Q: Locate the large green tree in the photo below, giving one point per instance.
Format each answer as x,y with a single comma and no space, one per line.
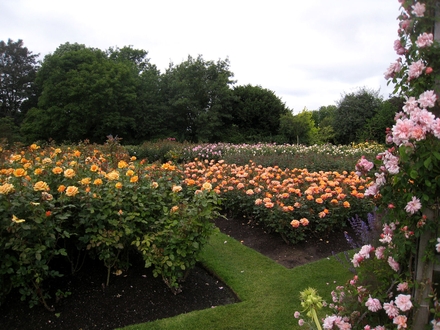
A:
197,94
18,67
375,127
256,113
84,95
353,112
298,128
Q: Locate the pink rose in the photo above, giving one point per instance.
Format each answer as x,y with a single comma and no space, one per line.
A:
418,9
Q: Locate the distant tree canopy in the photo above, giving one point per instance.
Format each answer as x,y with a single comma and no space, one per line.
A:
256,113
18,67
352,113
83,93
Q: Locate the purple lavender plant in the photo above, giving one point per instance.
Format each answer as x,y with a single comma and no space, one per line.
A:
366,232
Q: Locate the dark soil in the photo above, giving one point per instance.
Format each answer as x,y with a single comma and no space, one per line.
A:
137,297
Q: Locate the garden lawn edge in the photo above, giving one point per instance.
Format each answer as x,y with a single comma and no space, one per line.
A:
269,292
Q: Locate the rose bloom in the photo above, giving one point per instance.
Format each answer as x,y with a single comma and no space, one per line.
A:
393,264
71,191
295,223
418,9
19,172
379,252
207,186
403,302
400,320
319,200
17,220
41,186
402,286
269,205
46,196
176,189
425,40
97,182
118,185
129,173
38,171
373,304
57,170
258,201
154,185
86,181
304,221
69,173
413,205
249,192
174,209
134,179
122,164
61,188
391,309
346,204
6,188
94,168
112,176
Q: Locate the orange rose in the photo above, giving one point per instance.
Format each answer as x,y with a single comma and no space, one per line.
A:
19,172
134,179
295,223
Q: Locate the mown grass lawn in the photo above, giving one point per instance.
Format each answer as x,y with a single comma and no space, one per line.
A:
269,292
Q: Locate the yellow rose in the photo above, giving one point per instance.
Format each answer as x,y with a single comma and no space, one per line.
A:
86,181
38,171
118,185
122,164
17,220
94,168
69,173
129,173
207,186
134,179
71,191
112,176
6,188
41,186
97,182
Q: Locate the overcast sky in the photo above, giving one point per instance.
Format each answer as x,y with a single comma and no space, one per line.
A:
308,52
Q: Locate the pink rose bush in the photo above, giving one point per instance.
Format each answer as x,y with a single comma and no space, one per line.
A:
405,190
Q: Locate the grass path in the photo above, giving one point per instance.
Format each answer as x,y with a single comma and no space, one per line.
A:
269,292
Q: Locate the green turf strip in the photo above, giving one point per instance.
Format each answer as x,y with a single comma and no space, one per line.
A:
269,292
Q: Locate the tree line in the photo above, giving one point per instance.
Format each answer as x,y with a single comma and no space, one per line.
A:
82,93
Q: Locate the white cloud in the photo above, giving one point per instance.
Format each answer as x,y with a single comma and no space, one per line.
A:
309,53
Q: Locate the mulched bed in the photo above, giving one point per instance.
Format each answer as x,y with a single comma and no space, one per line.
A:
137,296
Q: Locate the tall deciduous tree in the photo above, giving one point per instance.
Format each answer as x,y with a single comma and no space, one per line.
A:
198,94
256,112
353,112
84,95
18,68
